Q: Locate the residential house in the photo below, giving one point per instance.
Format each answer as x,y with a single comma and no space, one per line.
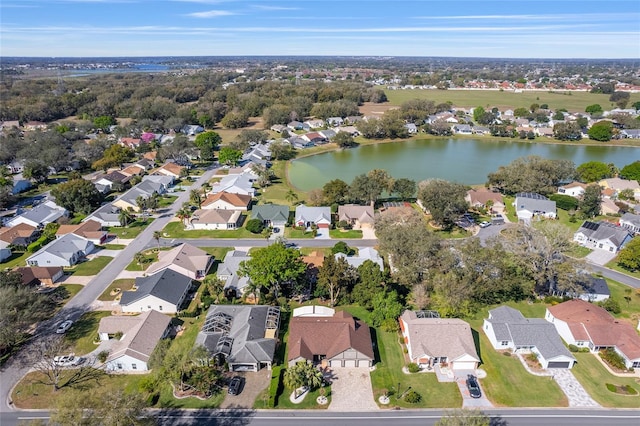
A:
40,215
35,125
133,170
244,337
140,335
573,189
543,131
165,292
107,216
602,236
438,341
184,259
145,163
356,216
278,128
314,137
306,216
631,222
594,289
333,339
20,235
20,185
619,185
65,251
335,121
38,275
300,143
216,219
327,134
608,207
353,119
169,169
348,129
486,199
105,182
236,184
315,124
462,129
530,204
234,285
295,125
411,128
480,130
364,254
586,325
5,251
630,133
9,124
131,143
259,154
226,201
163,182
507,328
192,129
90,229
129,200
273,215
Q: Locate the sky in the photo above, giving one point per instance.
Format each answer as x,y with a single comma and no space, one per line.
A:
495,29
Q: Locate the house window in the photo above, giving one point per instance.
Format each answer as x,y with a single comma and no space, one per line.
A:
636,364
119,366
134,367
504,343
600,245
148,306
160,307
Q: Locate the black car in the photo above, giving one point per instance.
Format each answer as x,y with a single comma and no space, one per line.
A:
235,385
473,386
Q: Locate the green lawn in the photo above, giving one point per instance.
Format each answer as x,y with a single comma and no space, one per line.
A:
631,307
114,246
572,101
67,291
297,233
84,331
579,252
388,374
166,200
176,230
150,256
132,230
91,267
510,209
124,284
594,377
276,193
614,265
340,234
16,259
309,402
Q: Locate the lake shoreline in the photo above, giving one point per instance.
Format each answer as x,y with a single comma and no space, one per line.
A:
478,141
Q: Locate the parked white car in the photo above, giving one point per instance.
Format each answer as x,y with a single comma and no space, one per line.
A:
68,360
64,326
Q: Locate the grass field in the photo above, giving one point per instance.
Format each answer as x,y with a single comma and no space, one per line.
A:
631,306
150,256
339,234
176,230
572,101
124,284
594,376
84,331
91,267
614,265
16,259
131,231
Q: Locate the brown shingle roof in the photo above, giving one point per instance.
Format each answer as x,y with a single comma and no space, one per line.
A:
236,200
21,230
328,336
172,168
590,322
482,195
38,273
90,229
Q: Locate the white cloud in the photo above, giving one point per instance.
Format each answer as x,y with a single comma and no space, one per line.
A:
211,14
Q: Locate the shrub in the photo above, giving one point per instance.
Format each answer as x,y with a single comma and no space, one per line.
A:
342,247
255,226
118,335
102,356
573,348
413,368
564,202
584,350
612,358
412,397
611,305
611,387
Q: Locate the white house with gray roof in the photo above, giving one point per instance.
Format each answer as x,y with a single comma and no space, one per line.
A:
507,328
107,215
164,292
307,216
140,335
602,236
530,204
271,214
65,251
631,222
40,215
364,254
243,336
234,285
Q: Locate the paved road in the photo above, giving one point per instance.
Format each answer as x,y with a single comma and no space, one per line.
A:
616,276
13,371
259,242
500,417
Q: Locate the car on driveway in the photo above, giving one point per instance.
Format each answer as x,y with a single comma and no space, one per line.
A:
473,386
68,360
64,326
485,224
235,385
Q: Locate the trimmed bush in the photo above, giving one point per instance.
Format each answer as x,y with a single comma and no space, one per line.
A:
611,305
413,397
102,356
573,348
255,226
612,358
413,367
564,202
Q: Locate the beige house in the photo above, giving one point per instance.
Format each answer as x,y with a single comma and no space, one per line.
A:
184,259
607,206
169,169
357,216
216,219
91,230
437,341
485,198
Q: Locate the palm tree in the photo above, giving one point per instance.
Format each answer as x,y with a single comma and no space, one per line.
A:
184,213
125,217
139,258
141,203
156,236
291,196
195,198
293,379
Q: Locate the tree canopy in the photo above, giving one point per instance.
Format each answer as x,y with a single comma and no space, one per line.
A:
77,196
532,174
444,200
631,171
593,171
207,143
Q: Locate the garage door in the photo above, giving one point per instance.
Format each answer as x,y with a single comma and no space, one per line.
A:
350,363
564,364
464,365
335,363
363,363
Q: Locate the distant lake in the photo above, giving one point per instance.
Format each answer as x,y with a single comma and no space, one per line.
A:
467,161
134,68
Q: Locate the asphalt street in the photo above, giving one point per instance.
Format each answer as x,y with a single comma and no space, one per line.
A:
500,417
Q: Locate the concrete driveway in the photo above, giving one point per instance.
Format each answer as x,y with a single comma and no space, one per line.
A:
467,400
253,385
600,257
351,390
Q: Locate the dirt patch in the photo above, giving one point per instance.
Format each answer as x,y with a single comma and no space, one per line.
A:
369,108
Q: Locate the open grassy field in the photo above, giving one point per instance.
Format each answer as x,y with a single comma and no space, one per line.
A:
594,376
631,306
572,101
130,231
351,233
91,267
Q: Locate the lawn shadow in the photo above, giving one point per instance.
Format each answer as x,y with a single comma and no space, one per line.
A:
374,342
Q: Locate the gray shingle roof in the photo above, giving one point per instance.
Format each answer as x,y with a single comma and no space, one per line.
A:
167,285
534,203
271,212
599,231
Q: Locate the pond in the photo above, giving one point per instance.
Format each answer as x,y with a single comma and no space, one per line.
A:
467,161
